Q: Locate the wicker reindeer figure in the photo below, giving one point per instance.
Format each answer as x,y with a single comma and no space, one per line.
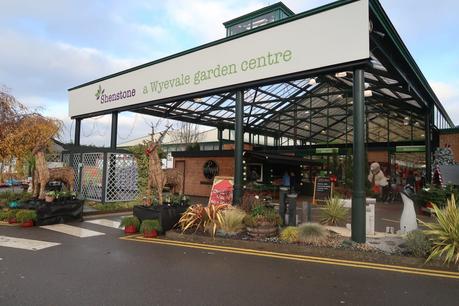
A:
157,177
42,174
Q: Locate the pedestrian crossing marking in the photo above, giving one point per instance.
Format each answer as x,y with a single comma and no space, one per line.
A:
106,222
25,244
72,230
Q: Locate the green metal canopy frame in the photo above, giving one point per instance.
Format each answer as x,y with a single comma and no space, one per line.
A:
384,99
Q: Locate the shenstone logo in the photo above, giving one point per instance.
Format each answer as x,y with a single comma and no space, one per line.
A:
100,95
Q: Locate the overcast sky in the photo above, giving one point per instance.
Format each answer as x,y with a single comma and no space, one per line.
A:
50,46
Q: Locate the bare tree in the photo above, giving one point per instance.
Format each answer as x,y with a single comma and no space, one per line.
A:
186,133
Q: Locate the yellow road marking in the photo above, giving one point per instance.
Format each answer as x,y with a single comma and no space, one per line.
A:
305,258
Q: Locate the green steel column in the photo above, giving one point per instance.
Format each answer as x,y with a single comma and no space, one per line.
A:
220,139
114,130
358,188
77,131
238,147
428,140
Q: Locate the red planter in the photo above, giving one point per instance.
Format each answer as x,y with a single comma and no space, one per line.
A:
12,221
151,234
28,223
130,229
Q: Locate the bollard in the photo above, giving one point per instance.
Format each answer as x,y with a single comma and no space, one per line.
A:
282,205
292,209
309,210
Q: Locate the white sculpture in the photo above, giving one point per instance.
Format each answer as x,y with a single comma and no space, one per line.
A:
408,221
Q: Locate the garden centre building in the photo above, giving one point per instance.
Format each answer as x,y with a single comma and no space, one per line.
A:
306,90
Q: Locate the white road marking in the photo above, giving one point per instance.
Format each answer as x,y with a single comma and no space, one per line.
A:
106,222
26,244
72,230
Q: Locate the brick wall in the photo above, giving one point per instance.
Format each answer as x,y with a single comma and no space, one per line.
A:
195,181
451,139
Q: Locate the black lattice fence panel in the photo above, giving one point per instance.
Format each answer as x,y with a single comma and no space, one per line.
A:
122,177
91,176
53,157
75,164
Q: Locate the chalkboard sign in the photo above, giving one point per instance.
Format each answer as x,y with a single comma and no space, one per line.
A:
323,189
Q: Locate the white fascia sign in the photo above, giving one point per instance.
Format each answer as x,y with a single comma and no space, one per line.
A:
336,36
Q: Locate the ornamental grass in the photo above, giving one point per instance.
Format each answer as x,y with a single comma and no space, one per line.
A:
444,233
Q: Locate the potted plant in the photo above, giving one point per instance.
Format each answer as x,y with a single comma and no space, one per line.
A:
4,215
130,224
26,217
146,201
12,216
262,222
150,228
50,196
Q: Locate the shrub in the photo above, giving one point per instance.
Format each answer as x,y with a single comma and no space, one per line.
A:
131,220
193,217
213,217
208,218
334,212
24,215
261,214
9,196
150,225
289,234
311,233
12,213
232,221
436,195
418,243
444,234
4,215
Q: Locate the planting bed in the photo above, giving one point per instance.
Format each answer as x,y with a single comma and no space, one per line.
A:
335,246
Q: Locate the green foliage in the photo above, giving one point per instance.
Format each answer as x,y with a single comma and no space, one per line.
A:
142,163
4,215
260,214
65,194
232,221
150,225
131,220
52,193
24,215
444,233
418,243
311,233
113,206
12,213
334,212
9,196
436,195
289,234
177,199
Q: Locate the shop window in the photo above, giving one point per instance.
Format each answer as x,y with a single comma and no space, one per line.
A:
255,172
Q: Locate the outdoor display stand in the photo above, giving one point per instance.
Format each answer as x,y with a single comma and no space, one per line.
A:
57,212
167,215
323,189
